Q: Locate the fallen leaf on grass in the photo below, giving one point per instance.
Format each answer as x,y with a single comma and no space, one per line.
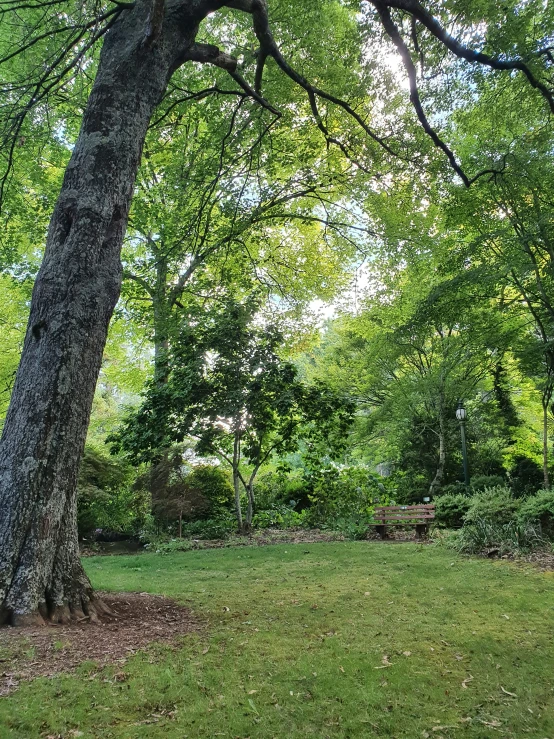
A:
466,681
407,654
508,692
205,651
251,692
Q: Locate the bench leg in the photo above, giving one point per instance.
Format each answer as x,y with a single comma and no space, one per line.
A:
422,530
382,531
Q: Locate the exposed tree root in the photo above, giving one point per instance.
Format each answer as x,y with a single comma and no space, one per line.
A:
92,610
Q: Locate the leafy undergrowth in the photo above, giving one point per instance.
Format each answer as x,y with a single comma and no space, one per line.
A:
342,639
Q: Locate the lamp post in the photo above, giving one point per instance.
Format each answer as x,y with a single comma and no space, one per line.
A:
461,415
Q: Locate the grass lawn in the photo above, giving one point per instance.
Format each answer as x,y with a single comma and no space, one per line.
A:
325,640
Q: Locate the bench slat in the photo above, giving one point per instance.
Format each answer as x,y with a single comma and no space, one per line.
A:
405,514
404,518
418,515
396,522
404,507
400,514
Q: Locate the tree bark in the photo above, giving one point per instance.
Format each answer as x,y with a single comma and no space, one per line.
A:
238,509
236,479
439,474
74,296
249,510
162,312
545,403
251,499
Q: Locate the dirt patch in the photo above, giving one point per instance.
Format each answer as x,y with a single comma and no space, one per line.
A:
309,536
543,561
139,619
263,537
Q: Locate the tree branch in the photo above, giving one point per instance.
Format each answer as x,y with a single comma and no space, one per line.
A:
253,93
269,48
394,34
261,60
425,18
200,95
140,281
210,54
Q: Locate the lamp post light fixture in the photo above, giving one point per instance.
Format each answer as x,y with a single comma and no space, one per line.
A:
461,415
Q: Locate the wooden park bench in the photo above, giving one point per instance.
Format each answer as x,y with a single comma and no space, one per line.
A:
404,515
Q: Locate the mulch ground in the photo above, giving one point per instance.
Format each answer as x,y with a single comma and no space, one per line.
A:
139,619
259,538
543,561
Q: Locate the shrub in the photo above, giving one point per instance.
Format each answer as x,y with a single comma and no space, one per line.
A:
509,538
526,476
410,486
539,511
181,492
480,482
282,517
219,527
278,488
213,483
495,505
340,494
450,510
105,496
454,488
354,527
168,547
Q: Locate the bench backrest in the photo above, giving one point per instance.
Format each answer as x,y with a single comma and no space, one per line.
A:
404,513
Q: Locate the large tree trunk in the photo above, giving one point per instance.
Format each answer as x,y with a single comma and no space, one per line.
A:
75,293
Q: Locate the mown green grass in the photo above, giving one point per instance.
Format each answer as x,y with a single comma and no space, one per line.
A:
296,638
